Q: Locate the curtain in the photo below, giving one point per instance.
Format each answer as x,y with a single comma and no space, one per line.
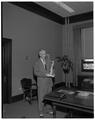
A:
77,47
77,54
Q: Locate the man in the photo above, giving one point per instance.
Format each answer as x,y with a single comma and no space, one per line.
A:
44,79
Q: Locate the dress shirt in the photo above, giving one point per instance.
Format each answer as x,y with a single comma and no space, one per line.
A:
43,61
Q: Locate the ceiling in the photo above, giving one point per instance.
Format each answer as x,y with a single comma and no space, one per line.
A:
78,7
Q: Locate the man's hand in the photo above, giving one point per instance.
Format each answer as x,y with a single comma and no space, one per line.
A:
50,75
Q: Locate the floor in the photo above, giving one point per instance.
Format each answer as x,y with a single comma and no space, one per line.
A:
23,109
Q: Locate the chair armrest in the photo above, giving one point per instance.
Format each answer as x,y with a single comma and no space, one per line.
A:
27,89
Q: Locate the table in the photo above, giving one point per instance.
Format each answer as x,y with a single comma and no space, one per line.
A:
71,100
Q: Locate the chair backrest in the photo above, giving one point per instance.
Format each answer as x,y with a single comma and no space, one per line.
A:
26,83
34,77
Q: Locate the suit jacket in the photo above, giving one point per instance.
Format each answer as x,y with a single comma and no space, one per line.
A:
40,72
39,69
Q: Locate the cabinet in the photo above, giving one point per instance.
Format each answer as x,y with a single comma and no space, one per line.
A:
85,82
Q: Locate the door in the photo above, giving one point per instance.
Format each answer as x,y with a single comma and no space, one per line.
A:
6,69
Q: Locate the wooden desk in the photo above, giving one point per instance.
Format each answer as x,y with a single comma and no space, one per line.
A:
72,102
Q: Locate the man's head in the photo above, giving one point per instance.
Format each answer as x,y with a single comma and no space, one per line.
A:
42,54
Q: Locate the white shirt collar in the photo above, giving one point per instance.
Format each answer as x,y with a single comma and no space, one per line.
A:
43,61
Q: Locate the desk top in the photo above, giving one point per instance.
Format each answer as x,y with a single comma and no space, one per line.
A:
72,97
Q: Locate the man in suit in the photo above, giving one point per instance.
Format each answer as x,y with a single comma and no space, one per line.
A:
44,80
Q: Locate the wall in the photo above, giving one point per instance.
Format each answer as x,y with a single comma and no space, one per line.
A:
68,47
29,32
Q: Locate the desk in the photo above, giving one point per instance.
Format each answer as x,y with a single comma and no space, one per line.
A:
72,102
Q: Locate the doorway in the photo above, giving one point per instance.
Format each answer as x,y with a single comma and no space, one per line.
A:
6,70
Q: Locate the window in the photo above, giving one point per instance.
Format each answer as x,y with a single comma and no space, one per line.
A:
87,43
87,49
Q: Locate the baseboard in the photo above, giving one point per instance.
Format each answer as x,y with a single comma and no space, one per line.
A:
16,98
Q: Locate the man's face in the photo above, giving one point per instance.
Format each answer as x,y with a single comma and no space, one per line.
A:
43,54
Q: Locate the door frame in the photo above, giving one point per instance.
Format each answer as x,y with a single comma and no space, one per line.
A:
9,83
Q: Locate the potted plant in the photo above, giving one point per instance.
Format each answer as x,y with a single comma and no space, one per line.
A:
66,64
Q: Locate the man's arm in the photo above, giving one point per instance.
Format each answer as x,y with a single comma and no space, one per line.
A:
39,72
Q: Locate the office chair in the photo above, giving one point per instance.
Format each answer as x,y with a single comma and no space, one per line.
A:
29,89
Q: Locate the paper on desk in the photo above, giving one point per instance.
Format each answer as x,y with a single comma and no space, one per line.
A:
61,90
83,93
71,92
80,91
66,91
